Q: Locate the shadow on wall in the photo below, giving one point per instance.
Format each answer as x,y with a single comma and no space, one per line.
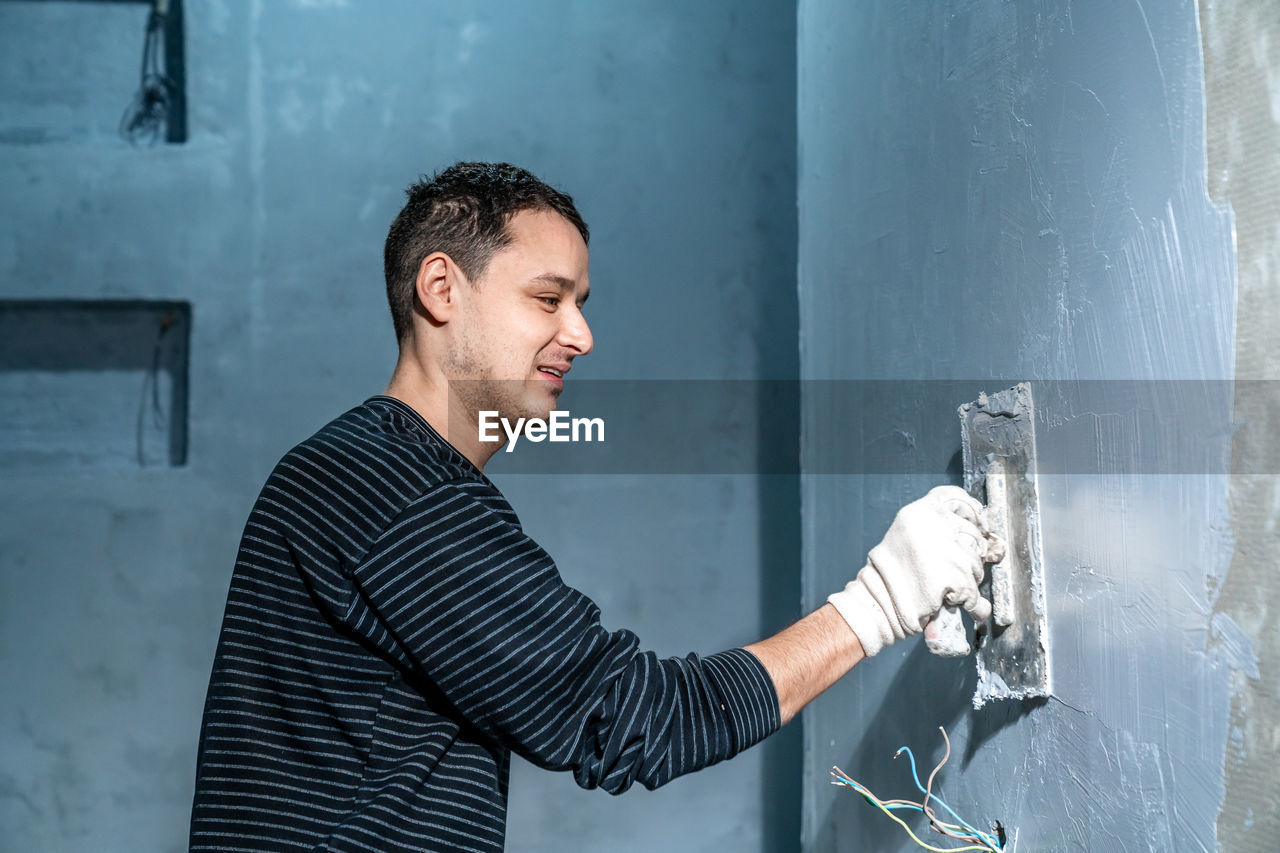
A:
778,538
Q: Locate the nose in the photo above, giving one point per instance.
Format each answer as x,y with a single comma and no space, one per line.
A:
575,334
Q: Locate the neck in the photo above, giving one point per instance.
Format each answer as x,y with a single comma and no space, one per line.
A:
426,391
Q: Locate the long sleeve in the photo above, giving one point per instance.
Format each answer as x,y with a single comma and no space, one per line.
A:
454,592
391,636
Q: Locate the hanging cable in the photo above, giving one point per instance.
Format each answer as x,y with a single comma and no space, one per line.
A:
147,115
150,402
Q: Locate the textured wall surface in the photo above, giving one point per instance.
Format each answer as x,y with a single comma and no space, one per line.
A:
991,192
671,125
1242,89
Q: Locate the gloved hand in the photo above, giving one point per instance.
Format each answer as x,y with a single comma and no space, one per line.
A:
932,555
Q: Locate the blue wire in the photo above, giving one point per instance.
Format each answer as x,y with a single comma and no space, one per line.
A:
916,777
992,841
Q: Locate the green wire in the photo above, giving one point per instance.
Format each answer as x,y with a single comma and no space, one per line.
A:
842,779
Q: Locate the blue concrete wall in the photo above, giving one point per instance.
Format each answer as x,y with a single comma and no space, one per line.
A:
992,192
671,123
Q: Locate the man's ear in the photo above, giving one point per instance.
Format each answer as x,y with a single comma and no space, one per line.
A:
436,286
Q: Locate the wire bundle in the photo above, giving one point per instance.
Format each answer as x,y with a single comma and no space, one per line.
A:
146,116
962,830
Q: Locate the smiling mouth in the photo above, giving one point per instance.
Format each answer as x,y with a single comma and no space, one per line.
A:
553,380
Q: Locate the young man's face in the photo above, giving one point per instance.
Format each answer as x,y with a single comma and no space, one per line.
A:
521,324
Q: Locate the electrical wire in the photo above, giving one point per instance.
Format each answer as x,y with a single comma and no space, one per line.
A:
842,779
928,788
961,831
928,785
151,389
148,113
928,796
953,830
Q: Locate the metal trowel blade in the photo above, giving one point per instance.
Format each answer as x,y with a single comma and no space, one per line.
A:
999,447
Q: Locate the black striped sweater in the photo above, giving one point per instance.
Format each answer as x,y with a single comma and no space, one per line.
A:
391,636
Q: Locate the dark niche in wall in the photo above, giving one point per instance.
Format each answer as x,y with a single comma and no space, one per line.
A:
76,71
93,383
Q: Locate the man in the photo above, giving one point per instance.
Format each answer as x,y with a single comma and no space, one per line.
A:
391,634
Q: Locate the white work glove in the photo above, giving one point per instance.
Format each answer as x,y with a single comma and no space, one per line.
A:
932,556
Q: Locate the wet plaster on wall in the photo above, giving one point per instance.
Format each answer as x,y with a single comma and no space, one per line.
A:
991,192
1242,88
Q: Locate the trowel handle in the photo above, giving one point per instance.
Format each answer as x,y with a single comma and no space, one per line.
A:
945,635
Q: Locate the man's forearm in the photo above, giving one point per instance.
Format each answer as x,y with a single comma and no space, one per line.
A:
808,657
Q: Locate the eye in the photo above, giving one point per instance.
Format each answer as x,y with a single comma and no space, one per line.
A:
553,301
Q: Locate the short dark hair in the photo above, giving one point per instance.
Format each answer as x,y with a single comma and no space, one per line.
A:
463,211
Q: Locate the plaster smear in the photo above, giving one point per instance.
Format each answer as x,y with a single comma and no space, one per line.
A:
1241,42
1029,202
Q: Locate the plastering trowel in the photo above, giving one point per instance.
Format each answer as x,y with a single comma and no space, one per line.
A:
999,448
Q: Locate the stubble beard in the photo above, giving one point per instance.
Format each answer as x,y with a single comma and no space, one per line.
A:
480,391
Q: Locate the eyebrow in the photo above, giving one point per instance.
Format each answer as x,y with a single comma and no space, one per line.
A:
560,282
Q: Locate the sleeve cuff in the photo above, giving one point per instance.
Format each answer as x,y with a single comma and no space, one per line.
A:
748,697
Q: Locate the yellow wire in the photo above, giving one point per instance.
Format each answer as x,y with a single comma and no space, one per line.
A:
956,826
900,822
872,797
857,786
